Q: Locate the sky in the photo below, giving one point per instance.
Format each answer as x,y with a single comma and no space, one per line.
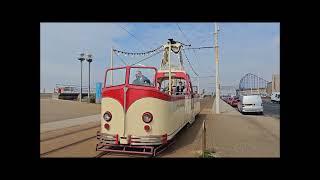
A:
243,48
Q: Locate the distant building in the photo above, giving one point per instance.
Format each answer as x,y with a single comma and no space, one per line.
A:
228,91
276,83
269,88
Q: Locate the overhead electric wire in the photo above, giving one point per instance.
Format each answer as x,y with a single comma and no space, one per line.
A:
211,35
190,63
123,61
205,47
132,35
196,57
146,58
204,41
183,33
141,42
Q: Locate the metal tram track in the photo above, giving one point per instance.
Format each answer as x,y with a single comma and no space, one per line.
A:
68,145
71,144
69,133
101,154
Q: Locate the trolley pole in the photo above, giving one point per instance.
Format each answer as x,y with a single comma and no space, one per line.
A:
89,85
170,84
111,65
217,69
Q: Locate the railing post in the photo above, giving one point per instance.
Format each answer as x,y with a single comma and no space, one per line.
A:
203,137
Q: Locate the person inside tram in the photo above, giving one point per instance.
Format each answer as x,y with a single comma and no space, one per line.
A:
141,79
166,87
179,89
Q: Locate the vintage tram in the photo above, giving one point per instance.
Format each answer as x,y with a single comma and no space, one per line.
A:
144,108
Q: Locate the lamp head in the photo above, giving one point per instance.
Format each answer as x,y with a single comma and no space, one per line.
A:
81,58
89,58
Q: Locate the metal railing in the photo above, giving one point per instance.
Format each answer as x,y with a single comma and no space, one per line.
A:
68,88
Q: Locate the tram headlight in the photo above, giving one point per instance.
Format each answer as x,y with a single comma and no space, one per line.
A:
147,117
107,116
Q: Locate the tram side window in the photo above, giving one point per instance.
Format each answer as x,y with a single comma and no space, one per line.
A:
180,88
164,86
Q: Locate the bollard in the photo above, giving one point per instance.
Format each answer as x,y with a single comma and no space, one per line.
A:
203,138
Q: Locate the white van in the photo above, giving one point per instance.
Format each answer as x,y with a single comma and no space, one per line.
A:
275,97
250,103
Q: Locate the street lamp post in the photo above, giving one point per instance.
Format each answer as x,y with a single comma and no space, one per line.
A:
81,58
89,59
217,69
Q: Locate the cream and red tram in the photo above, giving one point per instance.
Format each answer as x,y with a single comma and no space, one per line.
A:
144,118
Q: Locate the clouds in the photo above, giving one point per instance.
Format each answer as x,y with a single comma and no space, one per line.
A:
244,47
61,44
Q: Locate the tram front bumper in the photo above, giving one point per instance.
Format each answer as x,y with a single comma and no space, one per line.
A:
135,145
131,140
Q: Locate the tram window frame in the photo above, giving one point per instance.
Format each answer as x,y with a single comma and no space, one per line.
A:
184,84
153,80
163,83
108,80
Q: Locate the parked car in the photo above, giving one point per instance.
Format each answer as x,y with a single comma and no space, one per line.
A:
263,95
250,103
224,98
229,100
235,101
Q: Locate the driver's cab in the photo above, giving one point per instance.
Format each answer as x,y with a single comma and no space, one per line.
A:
138,76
